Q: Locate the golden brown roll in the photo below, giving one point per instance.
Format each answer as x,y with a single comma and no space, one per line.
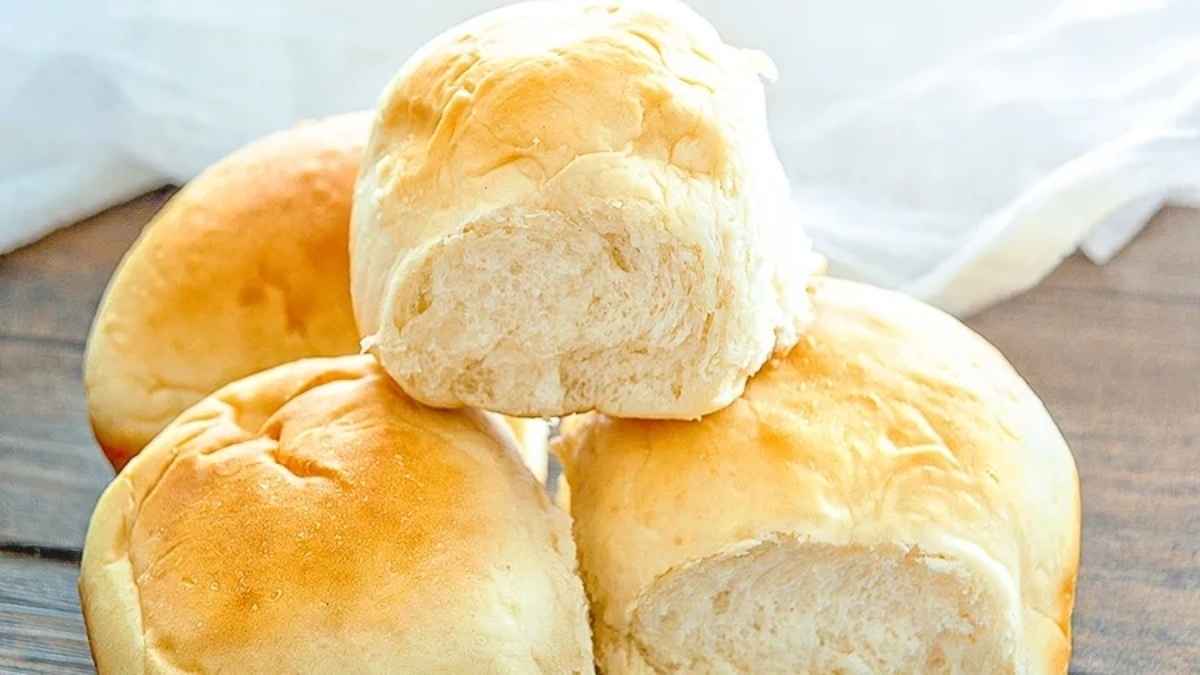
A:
312,518
889,498
246,268
576,205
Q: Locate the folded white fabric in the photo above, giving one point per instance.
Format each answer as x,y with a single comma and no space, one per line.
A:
955,150
969,180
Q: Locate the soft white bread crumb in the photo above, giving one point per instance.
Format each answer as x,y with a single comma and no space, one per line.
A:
890,497
576,205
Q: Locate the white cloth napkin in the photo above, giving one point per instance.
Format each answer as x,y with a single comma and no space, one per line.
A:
955,150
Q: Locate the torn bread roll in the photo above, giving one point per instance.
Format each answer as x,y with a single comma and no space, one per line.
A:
891,497
568,206
247,267
312,518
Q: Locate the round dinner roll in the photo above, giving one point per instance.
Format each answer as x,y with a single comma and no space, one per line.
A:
314,519
890,497
568,206
245,268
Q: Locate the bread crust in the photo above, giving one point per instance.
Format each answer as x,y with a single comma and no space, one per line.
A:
890,425
312,518
242,270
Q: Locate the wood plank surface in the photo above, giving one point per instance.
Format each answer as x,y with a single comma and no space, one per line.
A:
1114,351
51,471
50,468
41,629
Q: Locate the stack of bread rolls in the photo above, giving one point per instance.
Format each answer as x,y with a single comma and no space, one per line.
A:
322,373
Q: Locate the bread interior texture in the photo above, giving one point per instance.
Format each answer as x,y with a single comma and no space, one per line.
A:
787,606
561,316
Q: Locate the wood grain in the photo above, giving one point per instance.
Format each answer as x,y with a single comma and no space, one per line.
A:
1114,351
51,471
41,629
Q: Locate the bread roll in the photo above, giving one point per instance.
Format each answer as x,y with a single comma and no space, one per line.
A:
889,498
576,205
246,268
314,519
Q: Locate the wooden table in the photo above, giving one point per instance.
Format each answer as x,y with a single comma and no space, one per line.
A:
1114,351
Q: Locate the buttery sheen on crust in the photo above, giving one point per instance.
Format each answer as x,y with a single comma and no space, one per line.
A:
314,519
576,205
889,498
